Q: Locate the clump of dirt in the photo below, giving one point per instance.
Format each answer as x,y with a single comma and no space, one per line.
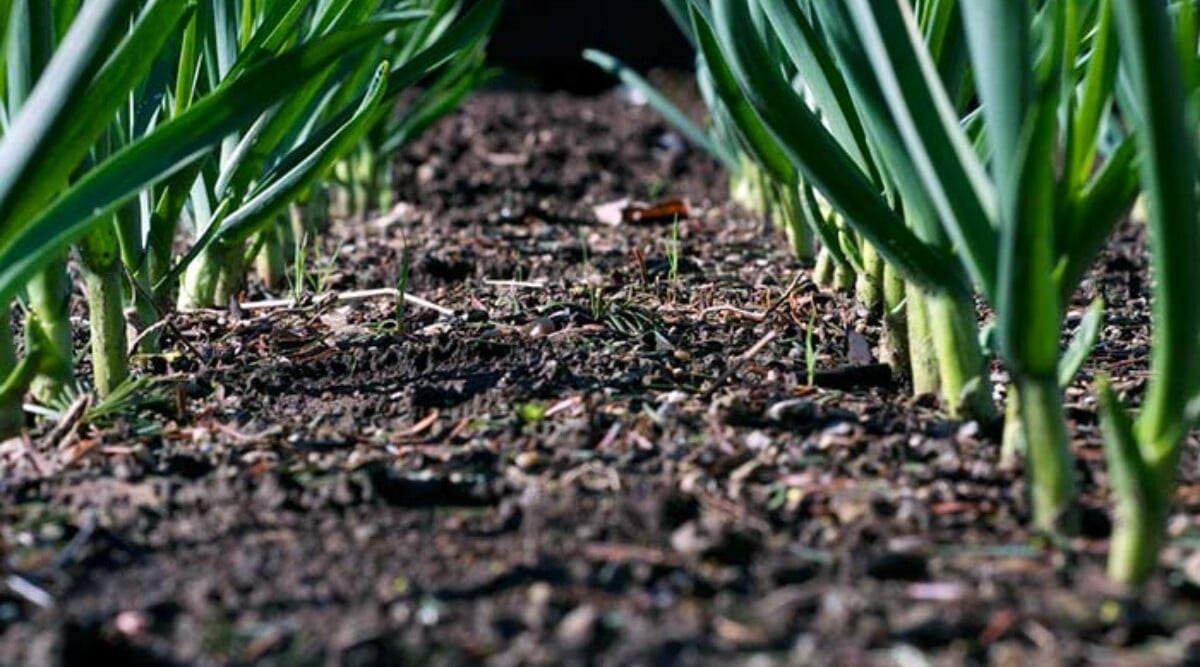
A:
591,444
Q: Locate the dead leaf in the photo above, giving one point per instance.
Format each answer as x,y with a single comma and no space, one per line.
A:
611,213
625,210
665,211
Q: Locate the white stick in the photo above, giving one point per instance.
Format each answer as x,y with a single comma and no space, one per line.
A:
357,295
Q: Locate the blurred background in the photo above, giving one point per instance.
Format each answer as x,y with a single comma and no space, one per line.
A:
538,42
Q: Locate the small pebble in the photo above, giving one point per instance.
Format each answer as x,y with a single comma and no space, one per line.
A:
527,460
540,328
131,623
577,628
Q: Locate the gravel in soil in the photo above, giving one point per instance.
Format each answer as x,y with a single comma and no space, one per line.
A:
638,444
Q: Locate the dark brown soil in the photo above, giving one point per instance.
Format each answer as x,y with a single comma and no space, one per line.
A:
580,466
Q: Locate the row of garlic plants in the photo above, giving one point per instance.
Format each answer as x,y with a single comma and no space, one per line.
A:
165,144
946,151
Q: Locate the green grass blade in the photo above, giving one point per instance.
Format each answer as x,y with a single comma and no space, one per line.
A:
1028,310
1187,36
1169,179
49,109
943,31
754,135
466,33
821,224
678,9
820,74
818,155
280,26
1000,48
6,8
887,141
307,163
124,69
1082,343
187,71
1094,100
1092,214
953,176
1126,469
171,147
672,113
29,49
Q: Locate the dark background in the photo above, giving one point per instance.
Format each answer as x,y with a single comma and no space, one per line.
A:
539,41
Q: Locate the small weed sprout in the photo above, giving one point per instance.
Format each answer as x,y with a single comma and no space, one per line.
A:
810,354
596,303
315,275
513,293
300,265
530,413
323,267
674,248
402,288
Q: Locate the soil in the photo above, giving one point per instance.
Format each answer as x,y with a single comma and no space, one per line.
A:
608,453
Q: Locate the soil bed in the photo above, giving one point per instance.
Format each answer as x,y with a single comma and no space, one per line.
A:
610,453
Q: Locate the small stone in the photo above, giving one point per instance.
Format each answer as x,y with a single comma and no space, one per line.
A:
577,629
792,411
527,460
689,540
540,328
132,623
426,173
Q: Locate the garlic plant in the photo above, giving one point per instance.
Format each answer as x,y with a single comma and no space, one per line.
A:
124,118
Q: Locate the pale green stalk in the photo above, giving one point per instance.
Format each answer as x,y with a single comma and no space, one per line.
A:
922,353
844,277
868,286
893,345
1012,443
105,280
745,187
1143,457
270,262
1048,446
824,269
383,177
366,182
199,286
789,217
50,311
11,417
231,278
964,382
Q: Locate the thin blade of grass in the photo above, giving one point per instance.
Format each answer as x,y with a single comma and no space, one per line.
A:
819,72
171,147
817,154
758,140
952,174
47,111
999,44
1082,343
124,69
1169,179
672,113
310,162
